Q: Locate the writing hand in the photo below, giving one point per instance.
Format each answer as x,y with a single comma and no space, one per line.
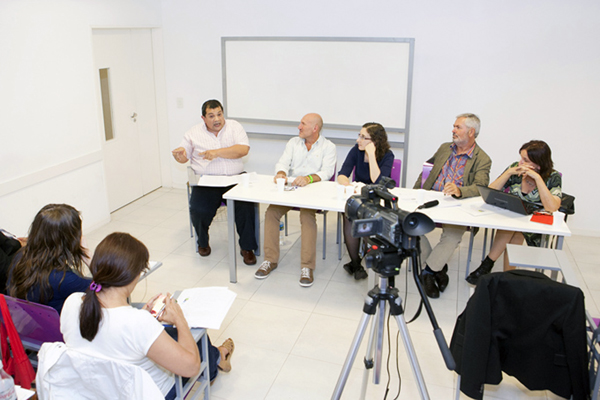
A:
180,155
172,314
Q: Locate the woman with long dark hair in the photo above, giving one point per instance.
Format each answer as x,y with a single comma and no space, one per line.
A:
533,179
49,268
371,158
102,323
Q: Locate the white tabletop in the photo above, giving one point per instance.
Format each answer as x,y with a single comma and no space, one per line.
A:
262,189
324,196
474,212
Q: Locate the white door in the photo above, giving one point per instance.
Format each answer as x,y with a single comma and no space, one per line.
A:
124,71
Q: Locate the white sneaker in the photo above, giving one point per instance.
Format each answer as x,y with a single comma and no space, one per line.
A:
265,269
306,277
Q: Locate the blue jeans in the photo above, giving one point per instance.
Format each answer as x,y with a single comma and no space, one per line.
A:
214,358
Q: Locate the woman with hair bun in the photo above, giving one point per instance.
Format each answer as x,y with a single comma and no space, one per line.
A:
101,322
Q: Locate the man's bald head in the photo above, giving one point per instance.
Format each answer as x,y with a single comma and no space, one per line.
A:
310,127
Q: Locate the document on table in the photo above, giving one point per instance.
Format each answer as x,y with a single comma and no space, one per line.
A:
478,210
223,180
206,307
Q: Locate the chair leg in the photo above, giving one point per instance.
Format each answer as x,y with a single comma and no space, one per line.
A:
470,252
189,195
339,235
324,234
285,223
483,252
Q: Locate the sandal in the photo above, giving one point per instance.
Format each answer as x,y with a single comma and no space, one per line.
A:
225,364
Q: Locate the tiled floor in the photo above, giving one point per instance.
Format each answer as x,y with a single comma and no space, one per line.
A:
291,342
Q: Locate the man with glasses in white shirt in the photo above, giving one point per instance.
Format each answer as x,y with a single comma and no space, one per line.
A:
307,158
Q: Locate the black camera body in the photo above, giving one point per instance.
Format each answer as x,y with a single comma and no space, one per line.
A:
387,230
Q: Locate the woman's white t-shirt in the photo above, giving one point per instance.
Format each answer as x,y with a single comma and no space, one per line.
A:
125,334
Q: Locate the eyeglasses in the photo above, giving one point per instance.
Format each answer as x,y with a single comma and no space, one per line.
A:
363,137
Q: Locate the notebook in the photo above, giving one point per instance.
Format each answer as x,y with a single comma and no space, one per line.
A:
507,201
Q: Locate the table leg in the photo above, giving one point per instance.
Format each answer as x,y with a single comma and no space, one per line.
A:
231,239
257,226
559,242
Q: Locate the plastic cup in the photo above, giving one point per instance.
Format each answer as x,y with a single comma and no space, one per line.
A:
341,189
245,180
558,217
280,184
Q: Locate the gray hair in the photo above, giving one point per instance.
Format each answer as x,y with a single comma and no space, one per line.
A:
471,121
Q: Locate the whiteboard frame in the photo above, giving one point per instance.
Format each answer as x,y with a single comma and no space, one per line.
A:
333,130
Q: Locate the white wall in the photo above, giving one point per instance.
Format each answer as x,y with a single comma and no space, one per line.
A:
50,141
528,69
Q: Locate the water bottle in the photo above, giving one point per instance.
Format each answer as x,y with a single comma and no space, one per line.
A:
7,385
281,234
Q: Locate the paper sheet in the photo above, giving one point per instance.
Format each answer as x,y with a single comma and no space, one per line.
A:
223,180
206,307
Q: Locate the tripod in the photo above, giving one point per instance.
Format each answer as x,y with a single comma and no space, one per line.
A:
376,303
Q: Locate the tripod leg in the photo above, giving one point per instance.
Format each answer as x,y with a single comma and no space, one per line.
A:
368,361
380,332
360,332
412,356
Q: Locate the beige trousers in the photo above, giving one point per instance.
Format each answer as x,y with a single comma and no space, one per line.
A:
308,222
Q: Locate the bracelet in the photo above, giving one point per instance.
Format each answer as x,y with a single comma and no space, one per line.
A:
310,179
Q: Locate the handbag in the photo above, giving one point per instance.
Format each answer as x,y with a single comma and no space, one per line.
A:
14,359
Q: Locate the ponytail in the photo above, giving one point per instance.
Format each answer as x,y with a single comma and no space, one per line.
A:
90,315
118,261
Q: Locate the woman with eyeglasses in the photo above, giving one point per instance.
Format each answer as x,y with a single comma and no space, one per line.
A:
370,159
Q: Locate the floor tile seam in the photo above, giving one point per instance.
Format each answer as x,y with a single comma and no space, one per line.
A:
278,306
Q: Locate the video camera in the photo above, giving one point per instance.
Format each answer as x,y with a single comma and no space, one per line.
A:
388,230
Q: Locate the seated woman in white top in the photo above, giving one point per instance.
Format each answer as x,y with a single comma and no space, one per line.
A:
102,323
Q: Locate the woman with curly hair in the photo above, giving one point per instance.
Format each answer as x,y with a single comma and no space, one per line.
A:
534,180
50,267
371,159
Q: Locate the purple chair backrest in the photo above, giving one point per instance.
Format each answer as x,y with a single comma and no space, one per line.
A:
395,174
36,323
426,170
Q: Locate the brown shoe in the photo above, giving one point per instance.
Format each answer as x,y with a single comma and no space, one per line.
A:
225,364
306,278
204,251
249,257
265,269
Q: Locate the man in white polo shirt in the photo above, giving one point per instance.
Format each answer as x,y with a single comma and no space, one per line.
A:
216,147
308,158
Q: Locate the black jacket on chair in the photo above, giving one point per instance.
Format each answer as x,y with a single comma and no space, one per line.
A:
527,325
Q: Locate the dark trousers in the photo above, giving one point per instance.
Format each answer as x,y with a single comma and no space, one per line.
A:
214,356
203,206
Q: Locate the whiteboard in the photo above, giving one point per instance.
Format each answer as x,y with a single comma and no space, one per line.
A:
348,81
